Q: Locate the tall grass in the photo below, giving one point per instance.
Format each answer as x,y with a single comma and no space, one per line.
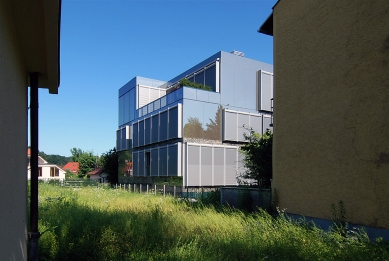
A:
107,224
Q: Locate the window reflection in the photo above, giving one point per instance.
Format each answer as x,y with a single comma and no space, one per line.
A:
202,120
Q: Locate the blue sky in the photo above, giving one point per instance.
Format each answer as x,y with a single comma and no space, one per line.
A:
104,44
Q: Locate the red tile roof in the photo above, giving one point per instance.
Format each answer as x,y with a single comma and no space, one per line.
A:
72,167
95,172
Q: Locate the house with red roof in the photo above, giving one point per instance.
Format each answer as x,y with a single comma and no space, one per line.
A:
73,167
46,170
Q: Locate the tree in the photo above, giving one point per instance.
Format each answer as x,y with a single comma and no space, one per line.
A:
109,162
76,153
87,163
213,131
194,128
257,158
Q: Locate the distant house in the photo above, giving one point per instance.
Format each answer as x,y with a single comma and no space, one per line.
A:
73,167
127,170
331,108
45,169
95,174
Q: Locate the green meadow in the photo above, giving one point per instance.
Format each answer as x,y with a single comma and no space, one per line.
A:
98,223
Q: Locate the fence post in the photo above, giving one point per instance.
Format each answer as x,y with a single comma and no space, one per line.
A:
147,189
164,187
124,186
174,191
155,189
116,186
140,188
134,187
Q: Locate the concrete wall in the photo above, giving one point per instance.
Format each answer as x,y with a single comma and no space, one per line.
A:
13,133
246,198
331,108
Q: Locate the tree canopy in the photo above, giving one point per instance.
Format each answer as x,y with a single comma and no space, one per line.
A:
257,158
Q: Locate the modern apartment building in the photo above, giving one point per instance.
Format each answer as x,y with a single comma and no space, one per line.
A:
173,129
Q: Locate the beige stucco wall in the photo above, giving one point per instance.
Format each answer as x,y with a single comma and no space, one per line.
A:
13,133
331,115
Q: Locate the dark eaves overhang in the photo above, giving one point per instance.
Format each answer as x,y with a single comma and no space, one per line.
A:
267,26
38,28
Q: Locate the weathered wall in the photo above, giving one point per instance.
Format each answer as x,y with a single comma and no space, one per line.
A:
331,115
13,133
246,198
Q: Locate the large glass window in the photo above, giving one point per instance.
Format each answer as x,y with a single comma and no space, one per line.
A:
210,77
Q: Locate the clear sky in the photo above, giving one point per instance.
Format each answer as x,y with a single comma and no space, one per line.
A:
104,44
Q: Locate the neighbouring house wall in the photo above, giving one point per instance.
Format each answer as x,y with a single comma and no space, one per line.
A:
331,108
13,133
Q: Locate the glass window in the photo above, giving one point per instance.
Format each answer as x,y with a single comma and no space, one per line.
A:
210,77
199,78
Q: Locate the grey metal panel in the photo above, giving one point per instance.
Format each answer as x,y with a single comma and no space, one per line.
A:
256,123
163,126
214,97
173,160
231,166
156,105
230,126
227,87
141,163
193,165
202,95
243,125
135,163
206,166
135,129
154,162
266,123
154,128
147,131
266,95
218,166
163,171
189,93
173,123
141,133
240,88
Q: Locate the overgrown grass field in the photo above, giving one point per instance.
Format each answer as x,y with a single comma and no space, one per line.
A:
107,224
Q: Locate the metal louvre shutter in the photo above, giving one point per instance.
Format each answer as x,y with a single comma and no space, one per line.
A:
266,123
135,163
154,162
173,123
231,166
163,126
173,160
266,90
163,162
135,130
243,120
193,173
154,128
256,123
230,126
143,96
147,131
206,166
218,167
